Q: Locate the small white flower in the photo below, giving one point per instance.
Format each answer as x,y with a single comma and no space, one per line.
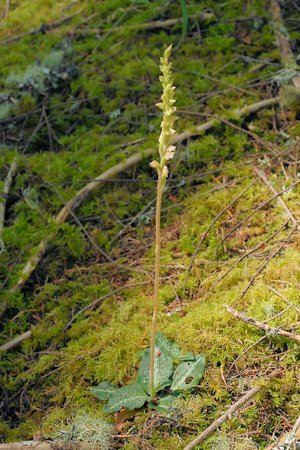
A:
154,164
170,152
165,172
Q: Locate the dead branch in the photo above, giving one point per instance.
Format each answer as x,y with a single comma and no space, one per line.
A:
240,112
227,415
262,267
289,91
6,9
283,43
6,188
263,177
289,439
16,341
48,445
10,345
205,234
156,24
284,299
248,253
270,331
42,29
258,208
100,300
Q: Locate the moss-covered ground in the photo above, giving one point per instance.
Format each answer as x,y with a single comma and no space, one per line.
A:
79,96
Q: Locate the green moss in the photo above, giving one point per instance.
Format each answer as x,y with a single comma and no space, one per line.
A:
97,117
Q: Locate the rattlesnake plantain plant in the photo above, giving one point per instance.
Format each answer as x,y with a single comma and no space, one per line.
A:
156,372
166,152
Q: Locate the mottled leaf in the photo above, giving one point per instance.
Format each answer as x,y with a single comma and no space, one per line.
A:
163,369
169,346
188,374
165,403
104,390
187,357
130,397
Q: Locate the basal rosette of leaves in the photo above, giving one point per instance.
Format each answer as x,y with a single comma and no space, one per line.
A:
175,373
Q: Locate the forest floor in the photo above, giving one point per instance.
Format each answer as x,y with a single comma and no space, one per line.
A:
79,84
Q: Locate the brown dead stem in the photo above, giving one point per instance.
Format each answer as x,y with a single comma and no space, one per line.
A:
248,253
262,267
263,326
227,415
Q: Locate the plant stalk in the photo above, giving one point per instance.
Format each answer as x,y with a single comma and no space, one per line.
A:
160,188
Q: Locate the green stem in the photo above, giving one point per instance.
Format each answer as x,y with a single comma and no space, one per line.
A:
156,281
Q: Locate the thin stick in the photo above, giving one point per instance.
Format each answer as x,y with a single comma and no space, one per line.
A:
100,300
16,341
262,267
255,210
28,334
241,112
283,43
205,234
49,445
247,350
74,203
6,9
41,29
284,299
263,326
227,415
248,253
263,177
156,24
6,188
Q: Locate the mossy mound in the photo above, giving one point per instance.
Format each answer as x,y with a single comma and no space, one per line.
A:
79,96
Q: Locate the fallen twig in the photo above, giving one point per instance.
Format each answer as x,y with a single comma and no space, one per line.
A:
227,415
262,326
255,210
42,29
156,24
99,300
289,440
6,9
283,43
72,204
263,177
6,188
248,253
271,256
205,234
16,341
240,112
284,299
10,345
49,445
